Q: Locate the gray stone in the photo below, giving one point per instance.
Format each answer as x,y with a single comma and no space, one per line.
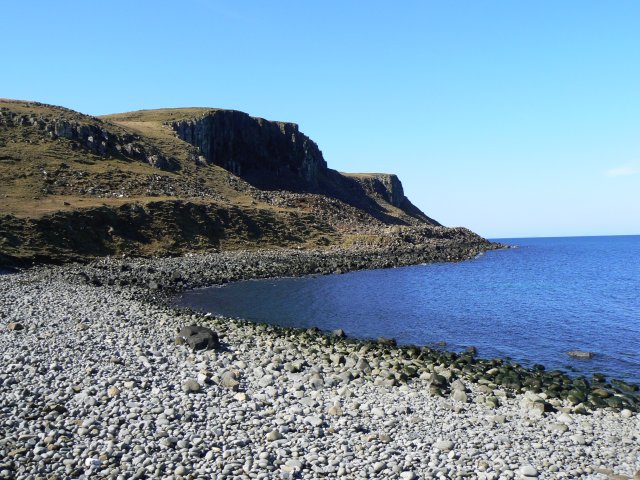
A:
335,410
528,471
558,427
313,421
190,385
459,396
579,439
229,380
444,445
377,412
379,466
266,381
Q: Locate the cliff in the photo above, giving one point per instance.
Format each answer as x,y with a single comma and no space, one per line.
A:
267,154
174,181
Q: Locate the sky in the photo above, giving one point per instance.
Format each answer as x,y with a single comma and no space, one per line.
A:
514,119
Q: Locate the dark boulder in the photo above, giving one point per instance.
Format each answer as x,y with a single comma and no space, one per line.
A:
198,337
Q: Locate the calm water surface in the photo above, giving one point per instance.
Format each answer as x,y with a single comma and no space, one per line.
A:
531,304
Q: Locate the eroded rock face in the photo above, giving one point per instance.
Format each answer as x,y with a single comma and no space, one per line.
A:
267,154
387,186
94,137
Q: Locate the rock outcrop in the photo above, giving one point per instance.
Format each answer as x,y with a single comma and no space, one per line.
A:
276,155
94,137
269,155
386,186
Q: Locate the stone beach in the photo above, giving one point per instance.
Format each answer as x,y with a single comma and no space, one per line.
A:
96,382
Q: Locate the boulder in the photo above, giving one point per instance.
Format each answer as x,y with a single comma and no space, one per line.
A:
533,403
387,342
580,354
339,333
198,337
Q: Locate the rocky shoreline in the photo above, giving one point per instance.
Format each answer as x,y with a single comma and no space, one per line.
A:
93,383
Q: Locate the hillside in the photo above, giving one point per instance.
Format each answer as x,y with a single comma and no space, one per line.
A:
173,181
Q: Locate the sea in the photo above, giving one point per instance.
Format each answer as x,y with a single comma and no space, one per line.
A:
530,304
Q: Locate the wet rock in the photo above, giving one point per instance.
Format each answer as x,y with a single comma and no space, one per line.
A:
580,354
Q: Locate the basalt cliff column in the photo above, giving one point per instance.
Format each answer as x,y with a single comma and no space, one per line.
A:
267,154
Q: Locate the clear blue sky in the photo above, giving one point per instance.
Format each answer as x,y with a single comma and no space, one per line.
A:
513,118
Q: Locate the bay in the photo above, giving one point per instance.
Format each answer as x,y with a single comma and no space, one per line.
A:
531,304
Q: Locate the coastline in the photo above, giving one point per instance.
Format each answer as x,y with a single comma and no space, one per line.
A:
95,382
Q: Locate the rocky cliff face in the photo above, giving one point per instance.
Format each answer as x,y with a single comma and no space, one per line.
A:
94,137
386,186
267,154
277,156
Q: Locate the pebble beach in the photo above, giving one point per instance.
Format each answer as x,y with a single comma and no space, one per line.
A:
94,384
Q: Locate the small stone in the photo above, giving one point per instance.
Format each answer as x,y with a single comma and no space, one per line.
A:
240,397
190,385
384,438
459,396
266,381
273,435
457,385
408,476
113,391
335,410
229,380
444,445
313,421
294,464
379,466
180,470
558,427
92,462
626,413
377,412
579,439
528,471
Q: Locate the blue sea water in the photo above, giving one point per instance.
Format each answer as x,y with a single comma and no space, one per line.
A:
531,304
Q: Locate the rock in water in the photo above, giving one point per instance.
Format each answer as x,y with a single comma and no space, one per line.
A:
387,342
580,354
198,337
